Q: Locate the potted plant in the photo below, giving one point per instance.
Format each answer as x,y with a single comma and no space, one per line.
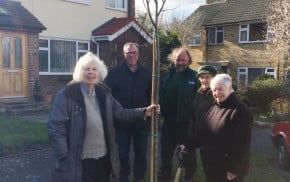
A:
37,91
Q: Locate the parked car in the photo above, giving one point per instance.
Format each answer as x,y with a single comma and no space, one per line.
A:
281,139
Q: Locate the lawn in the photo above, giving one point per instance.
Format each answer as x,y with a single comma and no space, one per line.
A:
19,135
260,171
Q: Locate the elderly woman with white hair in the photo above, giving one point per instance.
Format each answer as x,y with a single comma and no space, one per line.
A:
225,134
81,128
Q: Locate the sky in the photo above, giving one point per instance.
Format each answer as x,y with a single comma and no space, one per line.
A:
182,8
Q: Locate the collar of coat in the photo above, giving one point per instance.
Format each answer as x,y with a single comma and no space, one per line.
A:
229,102
73,91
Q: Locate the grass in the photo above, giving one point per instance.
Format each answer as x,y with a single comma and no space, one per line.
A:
20,135
260,170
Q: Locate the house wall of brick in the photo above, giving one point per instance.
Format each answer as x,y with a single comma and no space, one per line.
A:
33,63
239,54
51,84
198,52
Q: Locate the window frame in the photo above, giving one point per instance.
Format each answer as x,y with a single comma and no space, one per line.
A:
49,58
248,34
193,38
125,9
246,73
216,31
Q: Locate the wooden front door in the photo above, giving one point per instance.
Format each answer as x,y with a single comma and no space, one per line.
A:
13,65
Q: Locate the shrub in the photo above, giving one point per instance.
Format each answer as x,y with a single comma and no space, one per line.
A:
280,109
243,97
262,92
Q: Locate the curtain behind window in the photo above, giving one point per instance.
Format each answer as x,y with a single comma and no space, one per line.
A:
62,55
110,3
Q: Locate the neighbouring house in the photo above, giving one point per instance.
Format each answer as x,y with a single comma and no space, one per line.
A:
74,27
233,36
19,31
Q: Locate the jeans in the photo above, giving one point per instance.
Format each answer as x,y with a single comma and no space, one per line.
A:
124,137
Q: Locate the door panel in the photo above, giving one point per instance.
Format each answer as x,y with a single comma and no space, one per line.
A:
13,64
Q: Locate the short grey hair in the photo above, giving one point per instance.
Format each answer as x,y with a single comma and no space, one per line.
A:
221,79
130,44
86,59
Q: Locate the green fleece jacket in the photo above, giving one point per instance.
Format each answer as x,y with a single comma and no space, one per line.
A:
187,85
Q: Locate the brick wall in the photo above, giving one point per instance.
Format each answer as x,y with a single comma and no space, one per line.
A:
51,84
131,8
239,55
198,52
33,62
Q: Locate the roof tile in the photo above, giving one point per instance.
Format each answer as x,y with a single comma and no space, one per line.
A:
18,17
230,11
112,26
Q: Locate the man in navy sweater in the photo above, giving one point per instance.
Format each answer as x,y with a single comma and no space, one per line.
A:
131,86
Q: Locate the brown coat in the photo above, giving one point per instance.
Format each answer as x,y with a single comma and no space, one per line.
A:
225,138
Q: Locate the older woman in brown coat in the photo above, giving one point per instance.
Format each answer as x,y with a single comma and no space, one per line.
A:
225,134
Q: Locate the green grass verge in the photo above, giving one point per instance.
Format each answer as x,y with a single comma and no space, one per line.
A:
260,170
21,135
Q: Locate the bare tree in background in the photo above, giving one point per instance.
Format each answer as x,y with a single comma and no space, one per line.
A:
279,33
177,24
154,14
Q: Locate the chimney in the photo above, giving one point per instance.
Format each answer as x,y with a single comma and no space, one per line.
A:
131,8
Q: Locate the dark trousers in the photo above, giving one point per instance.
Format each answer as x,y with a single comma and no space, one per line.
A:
214,167
96,170
124,137
172,134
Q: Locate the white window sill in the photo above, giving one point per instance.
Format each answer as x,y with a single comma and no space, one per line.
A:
84,2
252,42
194,45
117,9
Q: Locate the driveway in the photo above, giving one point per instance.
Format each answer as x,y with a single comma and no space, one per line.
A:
31,167
262,143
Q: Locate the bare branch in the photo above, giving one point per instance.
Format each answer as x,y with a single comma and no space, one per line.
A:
162,6
171,9
149,12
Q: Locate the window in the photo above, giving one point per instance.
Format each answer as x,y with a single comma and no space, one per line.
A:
195,39
247,75
60,56
80,1
117,4
6,52
215,35
3,11
252,33
18,52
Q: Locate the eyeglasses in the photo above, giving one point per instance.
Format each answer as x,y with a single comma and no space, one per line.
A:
135,52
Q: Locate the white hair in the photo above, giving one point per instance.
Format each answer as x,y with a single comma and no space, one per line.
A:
86,59
221,79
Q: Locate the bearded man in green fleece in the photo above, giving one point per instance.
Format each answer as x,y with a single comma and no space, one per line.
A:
178,89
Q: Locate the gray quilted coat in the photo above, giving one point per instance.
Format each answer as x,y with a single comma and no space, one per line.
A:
66,130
